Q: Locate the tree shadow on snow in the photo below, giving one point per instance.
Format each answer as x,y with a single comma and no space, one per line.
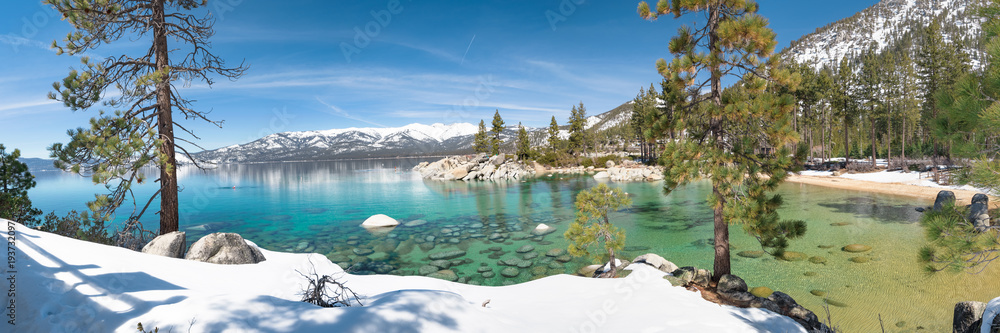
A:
72,300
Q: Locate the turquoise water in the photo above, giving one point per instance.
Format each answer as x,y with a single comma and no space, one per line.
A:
318,207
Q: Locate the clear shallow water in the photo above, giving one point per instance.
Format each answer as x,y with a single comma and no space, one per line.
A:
318,207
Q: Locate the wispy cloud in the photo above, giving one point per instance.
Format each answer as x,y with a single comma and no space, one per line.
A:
341,113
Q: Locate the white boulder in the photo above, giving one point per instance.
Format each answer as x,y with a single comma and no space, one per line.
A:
379,221
171,244
656,261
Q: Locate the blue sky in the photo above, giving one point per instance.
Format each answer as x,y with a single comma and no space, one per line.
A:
429,62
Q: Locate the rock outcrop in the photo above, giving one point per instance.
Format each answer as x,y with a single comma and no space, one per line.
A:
635,173
478,167
171,245
226,249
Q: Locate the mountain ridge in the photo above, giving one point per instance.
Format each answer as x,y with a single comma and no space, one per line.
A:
409,140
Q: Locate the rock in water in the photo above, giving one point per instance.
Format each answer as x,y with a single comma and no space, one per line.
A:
602,175
510,272
224,248
979,212
171,245
968,317
944,198
751,254
542,229
856,248
380,221
446,274
526,249
761,291
447,255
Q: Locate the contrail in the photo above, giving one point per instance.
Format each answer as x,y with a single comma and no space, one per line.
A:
467,49
340,112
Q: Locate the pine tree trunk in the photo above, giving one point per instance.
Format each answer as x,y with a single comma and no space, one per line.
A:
902,152
873,138
847,143
165,124
721,265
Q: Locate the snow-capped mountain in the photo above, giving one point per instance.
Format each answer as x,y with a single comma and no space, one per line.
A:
409,140
888,24
406,141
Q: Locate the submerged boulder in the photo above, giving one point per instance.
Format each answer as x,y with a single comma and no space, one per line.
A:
225,248
170,244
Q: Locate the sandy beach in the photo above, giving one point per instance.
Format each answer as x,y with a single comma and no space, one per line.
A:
962,196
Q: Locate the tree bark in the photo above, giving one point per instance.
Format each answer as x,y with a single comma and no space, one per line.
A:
721,265
873,137
165,124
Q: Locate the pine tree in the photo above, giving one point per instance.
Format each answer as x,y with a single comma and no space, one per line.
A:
523,144
844,103
954,243
139,127
15,181
739,138
495,133
480,143
554,141
592,226
939,65
577,130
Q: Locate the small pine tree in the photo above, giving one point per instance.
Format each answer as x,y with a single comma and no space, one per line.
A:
523,144
480,143
15,181
554,141
495,133
592,227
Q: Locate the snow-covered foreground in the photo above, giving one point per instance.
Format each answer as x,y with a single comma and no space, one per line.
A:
907,178
66,285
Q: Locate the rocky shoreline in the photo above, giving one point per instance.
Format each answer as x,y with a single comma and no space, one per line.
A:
483,167
477,167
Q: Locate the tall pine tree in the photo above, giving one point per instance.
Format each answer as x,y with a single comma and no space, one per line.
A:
739,138
480,142
577,129
139,92
554,140
523,143
495,141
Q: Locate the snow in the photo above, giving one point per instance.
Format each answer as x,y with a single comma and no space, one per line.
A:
909,178
67,285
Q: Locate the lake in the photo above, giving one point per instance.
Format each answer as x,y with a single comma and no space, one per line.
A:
318,207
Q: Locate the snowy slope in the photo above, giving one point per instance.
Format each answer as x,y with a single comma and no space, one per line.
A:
66,285
883,24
